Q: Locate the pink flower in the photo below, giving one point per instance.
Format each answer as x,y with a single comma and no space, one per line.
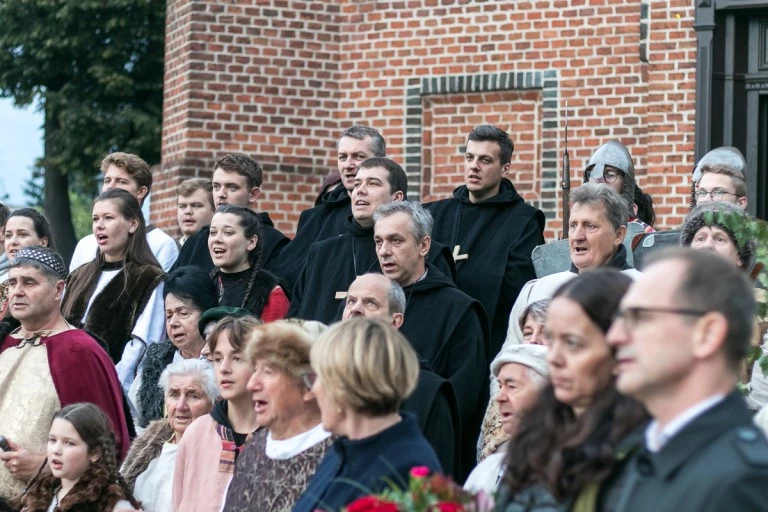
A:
419,471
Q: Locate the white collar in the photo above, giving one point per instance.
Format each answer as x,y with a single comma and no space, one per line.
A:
655,439
287,448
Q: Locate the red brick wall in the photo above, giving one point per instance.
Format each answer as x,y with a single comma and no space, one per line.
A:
279,79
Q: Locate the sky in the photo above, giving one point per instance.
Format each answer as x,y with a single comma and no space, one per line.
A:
21,143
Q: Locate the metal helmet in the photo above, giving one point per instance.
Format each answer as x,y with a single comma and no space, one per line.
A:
615,154
724,155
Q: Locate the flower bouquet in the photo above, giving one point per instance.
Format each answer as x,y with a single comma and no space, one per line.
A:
436,493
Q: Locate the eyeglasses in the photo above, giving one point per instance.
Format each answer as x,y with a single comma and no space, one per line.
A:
716,194
634,315
607,177
309,378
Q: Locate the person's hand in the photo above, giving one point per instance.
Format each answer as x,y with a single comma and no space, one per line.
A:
21,463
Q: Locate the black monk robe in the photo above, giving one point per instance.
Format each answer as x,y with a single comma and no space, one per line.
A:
326,220
333,264
195,249
450,330
492,242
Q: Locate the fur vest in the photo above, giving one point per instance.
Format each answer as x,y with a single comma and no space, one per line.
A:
150,397
115,311
145,449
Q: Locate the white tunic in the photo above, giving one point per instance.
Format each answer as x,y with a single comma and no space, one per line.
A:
163,247
153,487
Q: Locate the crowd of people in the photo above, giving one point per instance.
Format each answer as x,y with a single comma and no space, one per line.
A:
236,369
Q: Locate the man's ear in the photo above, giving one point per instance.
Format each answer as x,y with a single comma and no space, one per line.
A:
60,286
709,335
142,194
505,168
397,320
424,245
254,195
742,202
618,239
398,196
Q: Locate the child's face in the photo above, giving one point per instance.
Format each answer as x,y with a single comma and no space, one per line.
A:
233,370
67,453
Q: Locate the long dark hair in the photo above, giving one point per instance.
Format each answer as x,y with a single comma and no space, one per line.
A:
40,223
553,447
138,251
101,484
251,224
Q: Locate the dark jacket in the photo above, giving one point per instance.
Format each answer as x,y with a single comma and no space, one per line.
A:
718,462
352,469
498,236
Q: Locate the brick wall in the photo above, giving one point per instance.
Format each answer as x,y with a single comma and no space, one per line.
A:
279,79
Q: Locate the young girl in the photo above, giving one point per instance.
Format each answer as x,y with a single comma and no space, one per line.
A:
24,227
206,457
83,463
118,297
235,246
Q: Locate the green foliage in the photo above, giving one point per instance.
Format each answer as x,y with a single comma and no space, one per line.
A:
97,67
81,213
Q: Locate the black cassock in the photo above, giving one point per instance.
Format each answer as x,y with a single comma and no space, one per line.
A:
495,239
326,220
195,249
333,264
449,329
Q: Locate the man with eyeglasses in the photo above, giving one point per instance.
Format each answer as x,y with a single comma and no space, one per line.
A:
728,156
721,182
683,329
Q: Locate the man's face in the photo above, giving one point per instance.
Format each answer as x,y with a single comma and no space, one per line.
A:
653,350
720,185
351,154
232,188
401,256
194,211
116,177
717,240
517,395
32,297
371,190
612,177
367,297
483,169
591,237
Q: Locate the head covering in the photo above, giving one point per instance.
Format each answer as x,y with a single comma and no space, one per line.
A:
615,154
217,313
332,179
44,255
718,211
725,155
532,356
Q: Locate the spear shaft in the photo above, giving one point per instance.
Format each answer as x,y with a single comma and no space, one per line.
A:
566,183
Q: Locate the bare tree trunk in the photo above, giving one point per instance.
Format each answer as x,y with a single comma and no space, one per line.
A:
56,194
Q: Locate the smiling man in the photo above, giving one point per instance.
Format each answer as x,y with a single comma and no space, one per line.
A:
333,264
490,228
596,233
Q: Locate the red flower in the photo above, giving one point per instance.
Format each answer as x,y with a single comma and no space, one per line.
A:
371,504
419,471
449,507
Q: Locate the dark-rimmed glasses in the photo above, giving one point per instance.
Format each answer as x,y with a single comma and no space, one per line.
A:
608,176
716,194
632,316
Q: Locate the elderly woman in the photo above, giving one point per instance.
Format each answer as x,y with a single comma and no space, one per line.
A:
210,448
187,294
364,369
493,435
570,446
278,461
189,388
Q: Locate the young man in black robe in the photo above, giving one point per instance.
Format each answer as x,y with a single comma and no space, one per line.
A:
433,401
446,326
333,264
329,218
490,229
236,180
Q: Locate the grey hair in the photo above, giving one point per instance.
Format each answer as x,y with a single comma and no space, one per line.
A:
48,273
360,132
191,368
395,297
421,219
537,310
605,198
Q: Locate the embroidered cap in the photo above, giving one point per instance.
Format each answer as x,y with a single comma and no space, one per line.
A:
44,255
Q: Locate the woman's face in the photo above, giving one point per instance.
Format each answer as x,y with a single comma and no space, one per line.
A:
19,233
185,401
580,360
181,318
67,452
331,415
232,369
228,244
533,331
111,229
277,399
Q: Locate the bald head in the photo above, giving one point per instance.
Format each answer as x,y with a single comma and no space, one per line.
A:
375,296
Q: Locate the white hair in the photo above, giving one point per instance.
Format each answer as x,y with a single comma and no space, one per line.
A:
191,368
